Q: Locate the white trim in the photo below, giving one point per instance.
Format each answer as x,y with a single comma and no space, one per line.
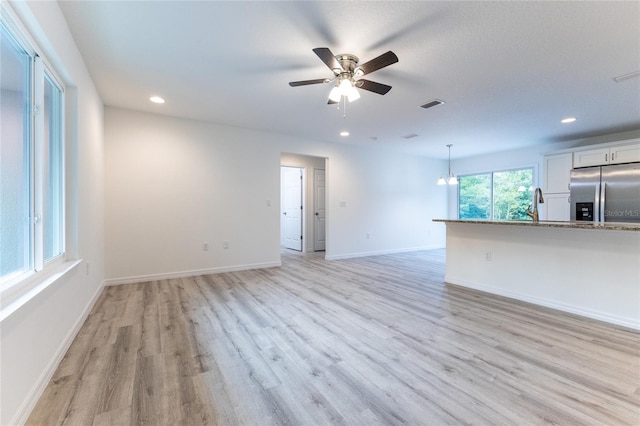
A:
18,30
380,252
15,296
192,273
39,152
23,412
572,309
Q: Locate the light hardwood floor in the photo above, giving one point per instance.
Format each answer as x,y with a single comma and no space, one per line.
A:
376,340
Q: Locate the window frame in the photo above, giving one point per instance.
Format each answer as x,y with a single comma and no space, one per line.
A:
491,173
41,160
38,271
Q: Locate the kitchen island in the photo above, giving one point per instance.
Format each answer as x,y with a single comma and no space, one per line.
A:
583,268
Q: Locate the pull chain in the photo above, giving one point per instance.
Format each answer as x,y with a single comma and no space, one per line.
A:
344,108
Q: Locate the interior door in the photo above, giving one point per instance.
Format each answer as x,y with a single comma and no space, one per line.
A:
291,206
319,200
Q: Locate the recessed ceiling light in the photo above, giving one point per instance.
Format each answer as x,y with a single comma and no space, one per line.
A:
345,133
156,100
568,120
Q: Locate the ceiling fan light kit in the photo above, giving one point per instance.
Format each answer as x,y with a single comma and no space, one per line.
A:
335,95
347,72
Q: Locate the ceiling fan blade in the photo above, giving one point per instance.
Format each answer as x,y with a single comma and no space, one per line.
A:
372,86
307,82
375,64
328,58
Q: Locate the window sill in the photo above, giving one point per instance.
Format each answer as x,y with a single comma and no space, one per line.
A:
14,297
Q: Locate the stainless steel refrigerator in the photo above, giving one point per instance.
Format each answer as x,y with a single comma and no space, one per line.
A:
606,193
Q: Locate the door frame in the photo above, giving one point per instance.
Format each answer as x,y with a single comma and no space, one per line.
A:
308,163
315,211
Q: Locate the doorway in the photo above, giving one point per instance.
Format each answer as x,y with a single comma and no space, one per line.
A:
314,190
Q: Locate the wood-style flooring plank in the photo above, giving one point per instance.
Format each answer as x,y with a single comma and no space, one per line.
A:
379,340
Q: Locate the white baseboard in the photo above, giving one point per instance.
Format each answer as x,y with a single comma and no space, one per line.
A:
38,388
572,309
192,273
380,252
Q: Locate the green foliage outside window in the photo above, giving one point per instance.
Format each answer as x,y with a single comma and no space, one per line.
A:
502,195
475,196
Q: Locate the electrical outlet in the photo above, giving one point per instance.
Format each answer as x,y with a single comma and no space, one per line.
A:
487,256
205,246
225,245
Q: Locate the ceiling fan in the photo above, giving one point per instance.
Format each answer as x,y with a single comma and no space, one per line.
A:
347,72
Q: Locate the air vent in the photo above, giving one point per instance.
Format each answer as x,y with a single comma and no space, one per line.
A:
432,104
410,136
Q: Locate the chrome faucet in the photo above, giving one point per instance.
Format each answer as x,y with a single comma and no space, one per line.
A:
537,198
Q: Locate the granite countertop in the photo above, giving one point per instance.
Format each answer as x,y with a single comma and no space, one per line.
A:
606,226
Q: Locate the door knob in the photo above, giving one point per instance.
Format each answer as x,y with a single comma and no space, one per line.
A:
316,213
285,213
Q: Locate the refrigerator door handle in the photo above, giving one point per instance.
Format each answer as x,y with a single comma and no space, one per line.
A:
596,207
602,201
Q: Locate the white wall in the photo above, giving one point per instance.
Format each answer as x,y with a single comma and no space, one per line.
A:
391,197
35,337
172,184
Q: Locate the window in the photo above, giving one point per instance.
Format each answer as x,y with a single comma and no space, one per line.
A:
31,159
52,182
504,195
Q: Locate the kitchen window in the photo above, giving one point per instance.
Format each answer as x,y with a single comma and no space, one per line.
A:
31,160
498,195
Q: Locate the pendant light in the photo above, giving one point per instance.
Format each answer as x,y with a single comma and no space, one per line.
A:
451,178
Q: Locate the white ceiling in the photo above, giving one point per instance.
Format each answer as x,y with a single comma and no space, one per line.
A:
508,71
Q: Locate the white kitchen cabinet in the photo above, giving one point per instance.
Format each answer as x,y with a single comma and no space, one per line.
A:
627,153
592,157
556,207
555,186
557,173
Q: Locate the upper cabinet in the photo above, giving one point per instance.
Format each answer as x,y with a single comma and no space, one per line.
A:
592,157
627,153
556,173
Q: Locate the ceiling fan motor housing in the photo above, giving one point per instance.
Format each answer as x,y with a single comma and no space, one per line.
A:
347,62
